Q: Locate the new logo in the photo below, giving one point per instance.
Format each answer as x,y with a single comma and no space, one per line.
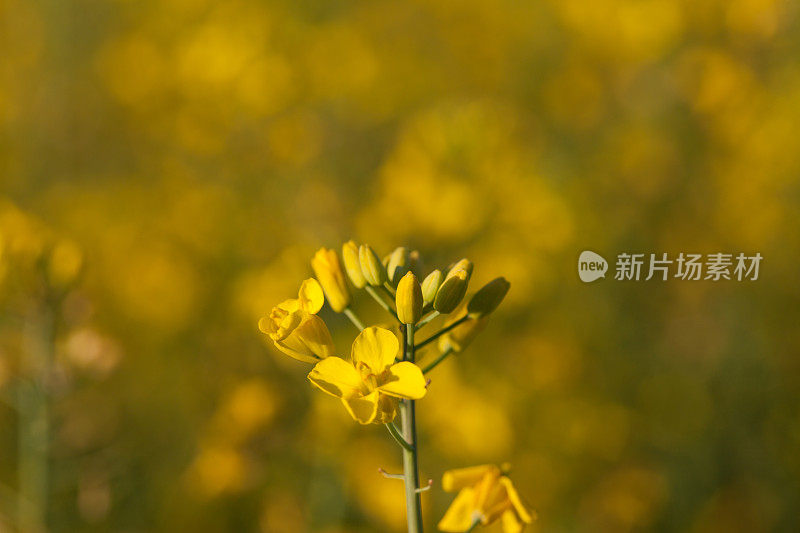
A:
591,266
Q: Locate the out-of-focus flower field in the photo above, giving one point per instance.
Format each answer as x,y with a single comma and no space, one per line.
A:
174,164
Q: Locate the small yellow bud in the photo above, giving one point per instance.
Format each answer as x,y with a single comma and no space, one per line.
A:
430,285
451,292
465,265
409,299
328,270
397,266
352,264
488,297
371,266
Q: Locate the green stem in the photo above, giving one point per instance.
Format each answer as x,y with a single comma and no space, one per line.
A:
443,331
438,360
353,318
381,301
34,420
410,468
427,319
398,437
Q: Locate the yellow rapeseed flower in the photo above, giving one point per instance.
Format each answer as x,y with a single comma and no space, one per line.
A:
295,328
371,383
328,269
485,495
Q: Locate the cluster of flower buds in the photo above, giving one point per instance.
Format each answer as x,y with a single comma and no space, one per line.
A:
400,272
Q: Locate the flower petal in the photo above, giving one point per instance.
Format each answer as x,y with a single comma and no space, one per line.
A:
313,332
511,523
337,377
292,347
405,381
363,409
496,504
266,325
290,306
516,502
376,348
459,478
461,513
489,492
310,296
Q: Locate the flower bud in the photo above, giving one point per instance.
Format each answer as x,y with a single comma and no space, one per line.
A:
371,266
465,265
328,270
397,266
409,299
352,264
451,292
488,297
430,285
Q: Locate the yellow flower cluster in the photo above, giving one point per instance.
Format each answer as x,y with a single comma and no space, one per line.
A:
381,380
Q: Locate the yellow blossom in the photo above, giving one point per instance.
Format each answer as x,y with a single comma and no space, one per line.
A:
295,328
485,495
328,269
371,383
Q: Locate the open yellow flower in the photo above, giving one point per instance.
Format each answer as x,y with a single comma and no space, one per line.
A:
485,495
295,328
371,383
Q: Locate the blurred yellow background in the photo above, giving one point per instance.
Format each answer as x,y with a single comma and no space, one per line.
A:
189,156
